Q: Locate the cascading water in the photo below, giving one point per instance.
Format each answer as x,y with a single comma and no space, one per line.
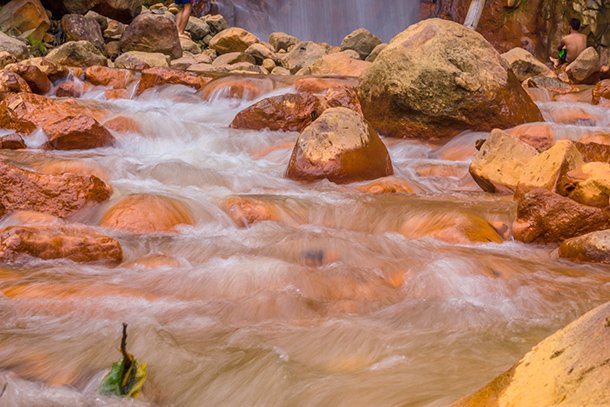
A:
322,20
385,315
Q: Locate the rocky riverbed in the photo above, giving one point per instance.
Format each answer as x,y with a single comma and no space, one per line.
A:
288,222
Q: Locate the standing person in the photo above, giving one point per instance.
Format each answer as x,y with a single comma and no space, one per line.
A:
572,44
182,18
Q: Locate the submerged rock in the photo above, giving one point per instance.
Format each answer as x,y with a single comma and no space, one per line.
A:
438,78
569,368
57,195
77,243
341,146
147,213
545,217
245,211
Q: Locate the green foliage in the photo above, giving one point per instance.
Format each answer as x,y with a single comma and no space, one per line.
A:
126,377
37,46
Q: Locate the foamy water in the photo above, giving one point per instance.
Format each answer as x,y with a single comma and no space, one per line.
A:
388,316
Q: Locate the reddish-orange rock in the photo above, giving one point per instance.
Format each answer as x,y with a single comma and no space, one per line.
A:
239,87
11,82
248,210
290,112
342,97
116,94
12,142
388,185
111,77
594,152
601,90
73,89
76,132
56,195
123,124
77,243
592,247
52,70
320,85
154,77
84,168
538,135
543,217
342,146
147,213
67,125
28,218
573,115
36,79
153,261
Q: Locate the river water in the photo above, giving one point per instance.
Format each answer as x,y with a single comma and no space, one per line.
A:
385,316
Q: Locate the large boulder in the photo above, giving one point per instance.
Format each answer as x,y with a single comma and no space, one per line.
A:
68,126
545,217
499,163
585,67
138,60
302,55
57,195
362,41
111,77
147,213
439,78
289,112
80,244
152,33
524,64
52,70
569,368
280,41
77,53
26,17
233,39
198,28
341,146
13,46
81,28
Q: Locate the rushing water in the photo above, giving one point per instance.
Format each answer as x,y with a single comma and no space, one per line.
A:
321,20
243,318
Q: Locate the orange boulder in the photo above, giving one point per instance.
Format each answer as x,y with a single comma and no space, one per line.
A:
147,213
154,77
76,243
538,135
341,146
123,124
111,77
57,195
11,82
290,112
544,217
12,142
38,81
601,91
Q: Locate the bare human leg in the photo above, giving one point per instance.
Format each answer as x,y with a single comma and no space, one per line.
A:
183,19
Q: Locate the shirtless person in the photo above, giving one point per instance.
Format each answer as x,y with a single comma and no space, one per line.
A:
574,43
182,18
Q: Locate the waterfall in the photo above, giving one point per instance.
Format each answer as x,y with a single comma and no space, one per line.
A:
321,20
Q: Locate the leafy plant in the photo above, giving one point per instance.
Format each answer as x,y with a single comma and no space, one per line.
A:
37,46
126,377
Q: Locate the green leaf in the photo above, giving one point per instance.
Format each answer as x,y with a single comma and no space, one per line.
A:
126,377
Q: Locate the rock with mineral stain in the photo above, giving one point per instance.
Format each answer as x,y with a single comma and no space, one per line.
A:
80,244
545,217
57,195
341,146
593,247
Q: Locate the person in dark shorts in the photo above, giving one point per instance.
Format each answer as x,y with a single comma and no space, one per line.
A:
182,18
